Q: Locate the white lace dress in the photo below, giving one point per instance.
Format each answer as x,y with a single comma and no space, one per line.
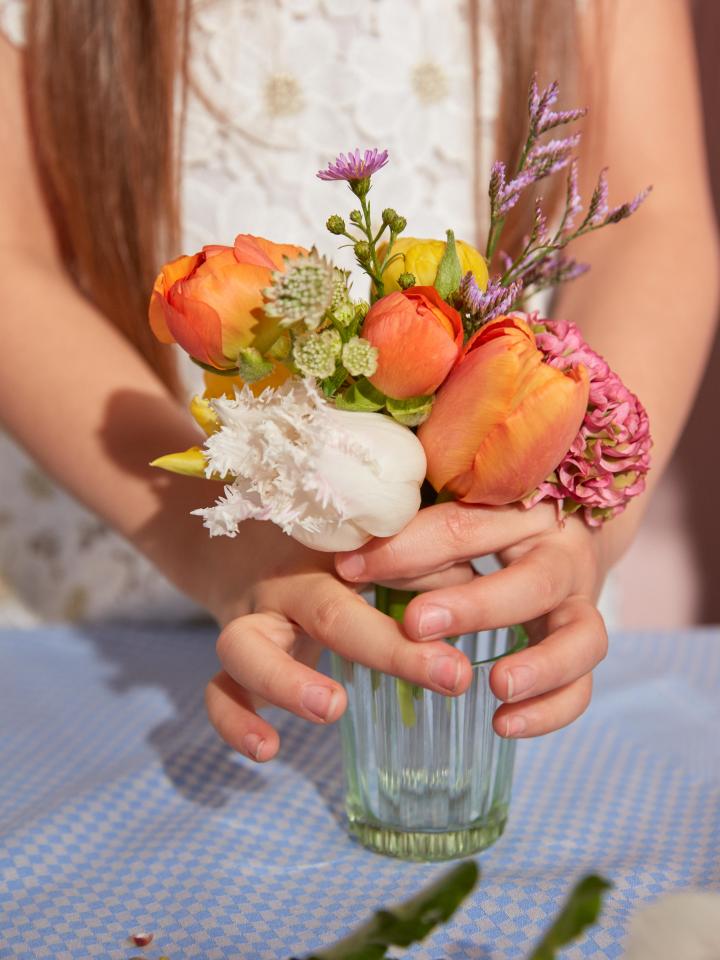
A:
278,88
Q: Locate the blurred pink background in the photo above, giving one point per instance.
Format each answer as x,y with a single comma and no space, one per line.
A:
671,575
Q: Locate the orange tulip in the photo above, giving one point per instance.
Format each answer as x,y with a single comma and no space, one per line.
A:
419,339
504,419
211,303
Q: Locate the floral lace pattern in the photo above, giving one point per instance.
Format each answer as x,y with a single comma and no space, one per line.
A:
277,88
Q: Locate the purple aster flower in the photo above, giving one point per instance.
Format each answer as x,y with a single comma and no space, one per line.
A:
354,166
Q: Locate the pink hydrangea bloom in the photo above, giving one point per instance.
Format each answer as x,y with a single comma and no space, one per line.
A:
606,465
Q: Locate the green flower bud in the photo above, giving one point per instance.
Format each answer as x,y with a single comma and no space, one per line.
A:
316,354
252,366
388,215
344,314
398,224
335,224
362,251
359,357
406,280
356,216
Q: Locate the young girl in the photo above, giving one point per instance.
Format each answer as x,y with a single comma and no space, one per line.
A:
91,99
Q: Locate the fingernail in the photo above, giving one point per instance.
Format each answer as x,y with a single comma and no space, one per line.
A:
317,699
445,672
519,680
351,567
254,746
433,620
515,726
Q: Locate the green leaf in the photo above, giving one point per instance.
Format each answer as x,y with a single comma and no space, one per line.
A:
409,923
333,383
449,273
252,366
581,910
361,396
411,412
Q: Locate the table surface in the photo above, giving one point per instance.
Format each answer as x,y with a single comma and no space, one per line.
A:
120,809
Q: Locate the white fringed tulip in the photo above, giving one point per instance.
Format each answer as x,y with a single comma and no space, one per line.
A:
332,479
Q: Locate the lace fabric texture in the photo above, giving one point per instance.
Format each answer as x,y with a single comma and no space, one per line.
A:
277,89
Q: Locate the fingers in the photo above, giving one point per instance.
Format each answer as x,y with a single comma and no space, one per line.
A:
528,588
339,619
454,576
548,685
545,713
251,651
230,712
441,535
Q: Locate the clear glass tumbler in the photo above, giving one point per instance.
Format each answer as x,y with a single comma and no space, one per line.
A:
427,777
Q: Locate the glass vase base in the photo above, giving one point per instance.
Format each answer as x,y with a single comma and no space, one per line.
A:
426,845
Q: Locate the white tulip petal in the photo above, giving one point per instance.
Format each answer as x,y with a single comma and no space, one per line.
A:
329,478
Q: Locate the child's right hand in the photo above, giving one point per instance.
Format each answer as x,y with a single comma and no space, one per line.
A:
273,636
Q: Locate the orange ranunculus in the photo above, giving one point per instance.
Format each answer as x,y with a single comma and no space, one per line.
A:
419,339
504,419
211,303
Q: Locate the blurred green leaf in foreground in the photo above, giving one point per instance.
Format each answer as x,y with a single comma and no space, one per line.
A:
412,921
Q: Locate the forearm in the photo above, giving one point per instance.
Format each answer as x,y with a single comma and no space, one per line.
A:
653,321
79,398
649,303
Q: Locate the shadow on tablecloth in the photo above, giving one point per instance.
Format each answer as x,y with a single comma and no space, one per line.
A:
199,764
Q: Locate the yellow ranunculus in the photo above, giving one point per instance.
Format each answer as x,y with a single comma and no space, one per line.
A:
422,259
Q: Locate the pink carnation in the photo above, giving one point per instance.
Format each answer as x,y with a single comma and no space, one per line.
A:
606,465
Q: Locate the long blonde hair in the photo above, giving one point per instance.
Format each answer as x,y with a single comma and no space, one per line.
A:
104,79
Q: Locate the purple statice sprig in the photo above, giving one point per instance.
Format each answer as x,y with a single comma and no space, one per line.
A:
542,118
356,169
541,263
537,160
478,307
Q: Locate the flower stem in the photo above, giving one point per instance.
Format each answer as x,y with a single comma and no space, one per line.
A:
376,274
394,603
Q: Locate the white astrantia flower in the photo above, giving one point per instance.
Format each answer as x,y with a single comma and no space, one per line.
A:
330,478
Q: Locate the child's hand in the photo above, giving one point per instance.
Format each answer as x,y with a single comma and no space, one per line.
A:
551,580
295,607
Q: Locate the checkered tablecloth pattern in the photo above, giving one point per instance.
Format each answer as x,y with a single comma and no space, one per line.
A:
120,810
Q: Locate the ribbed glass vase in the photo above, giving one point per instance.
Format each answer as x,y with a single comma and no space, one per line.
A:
427,777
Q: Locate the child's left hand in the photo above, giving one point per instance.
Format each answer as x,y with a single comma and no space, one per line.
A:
551,579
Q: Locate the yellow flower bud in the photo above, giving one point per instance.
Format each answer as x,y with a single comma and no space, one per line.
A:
422,259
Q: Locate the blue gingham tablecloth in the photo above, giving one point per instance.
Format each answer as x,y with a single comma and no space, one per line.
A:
120,810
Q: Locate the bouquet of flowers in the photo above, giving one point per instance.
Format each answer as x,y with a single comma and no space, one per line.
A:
340,415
